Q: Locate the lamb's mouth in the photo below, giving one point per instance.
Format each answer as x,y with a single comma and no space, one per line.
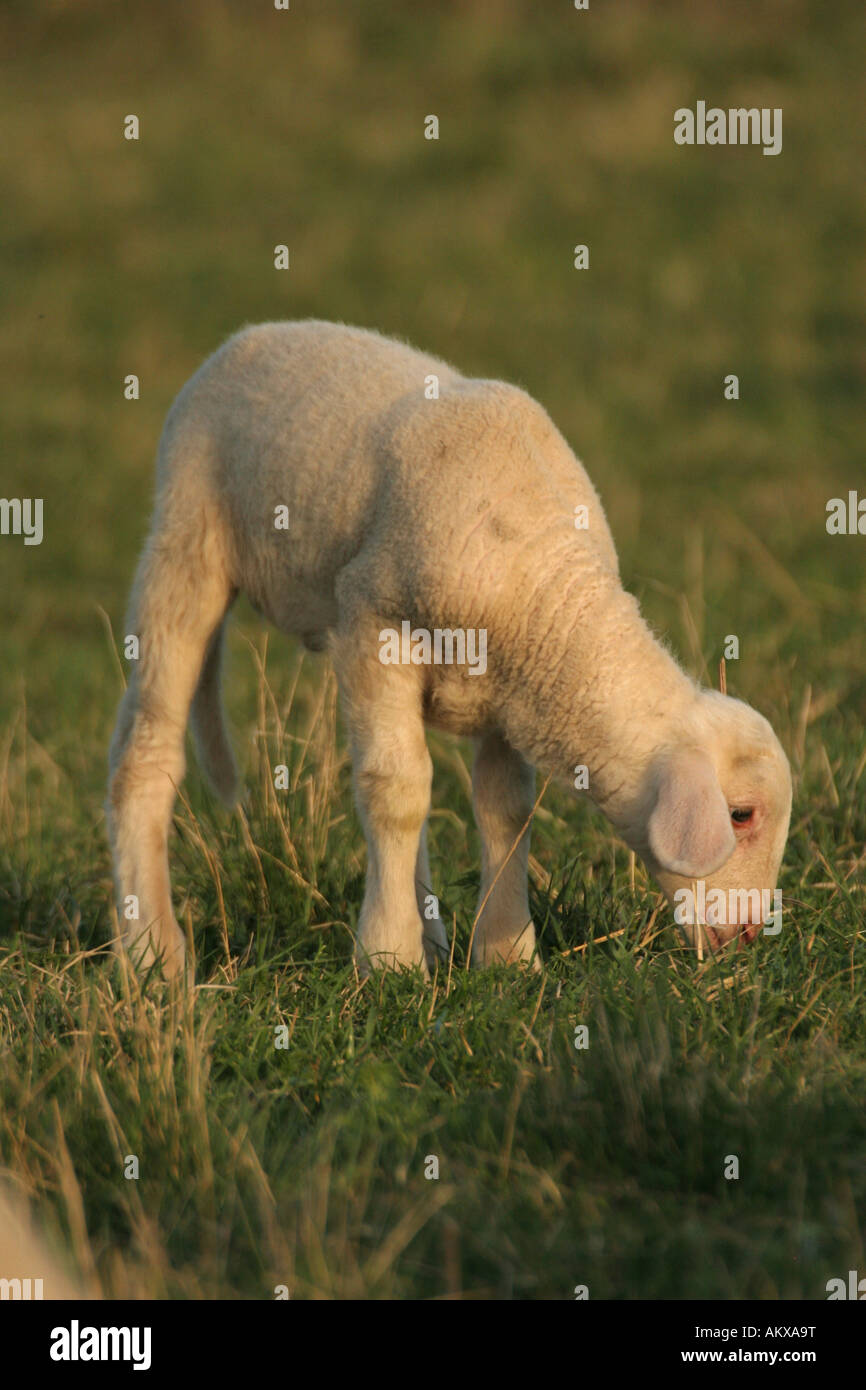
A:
745,934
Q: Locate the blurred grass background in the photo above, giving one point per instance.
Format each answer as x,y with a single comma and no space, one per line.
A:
260,127
556,128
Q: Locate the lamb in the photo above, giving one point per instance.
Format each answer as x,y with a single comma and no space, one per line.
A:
419,501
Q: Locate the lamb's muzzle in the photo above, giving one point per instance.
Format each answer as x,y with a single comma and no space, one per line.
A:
315,467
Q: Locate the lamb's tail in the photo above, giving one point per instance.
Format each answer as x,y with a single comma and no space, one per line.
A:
207,720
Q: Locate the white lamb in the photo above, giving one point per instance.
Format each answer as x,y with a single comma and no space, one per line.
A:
454,513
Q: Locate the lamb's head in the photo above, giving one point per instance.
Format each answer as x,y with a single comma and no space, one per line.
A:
716,812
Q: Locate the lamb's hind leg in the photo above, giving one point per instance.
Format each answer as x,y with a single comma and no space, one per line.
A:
179,600
393,775
503,795
435,936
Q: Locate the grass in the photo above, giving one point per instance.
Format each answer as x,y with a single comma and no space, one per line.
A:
558,1166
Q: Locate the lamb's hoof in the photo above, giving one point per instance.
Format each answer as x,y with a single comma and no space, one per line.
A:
169,958
523,952
368,961
533,966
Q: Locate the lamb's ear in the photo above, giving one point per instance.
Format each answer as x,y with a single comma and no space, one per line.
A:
690,825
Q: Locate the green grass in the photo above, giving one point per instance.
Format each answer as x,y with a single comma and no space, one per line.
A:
557,1166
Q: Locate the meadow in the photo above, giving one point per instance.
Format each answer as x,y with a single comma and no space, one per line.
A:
304,1166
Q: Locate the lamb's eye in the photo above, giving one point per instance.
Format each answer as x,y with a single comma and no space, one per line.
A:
741,815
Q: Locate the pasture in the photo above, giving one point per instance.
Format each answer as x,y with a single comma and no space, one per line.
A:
305,1165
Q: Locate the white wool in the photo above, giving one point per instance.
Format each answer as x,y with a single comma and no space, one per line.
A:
454,513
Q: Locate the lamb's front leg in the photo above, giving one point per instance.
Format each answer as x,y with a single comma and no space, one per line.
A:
393,775
503,795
